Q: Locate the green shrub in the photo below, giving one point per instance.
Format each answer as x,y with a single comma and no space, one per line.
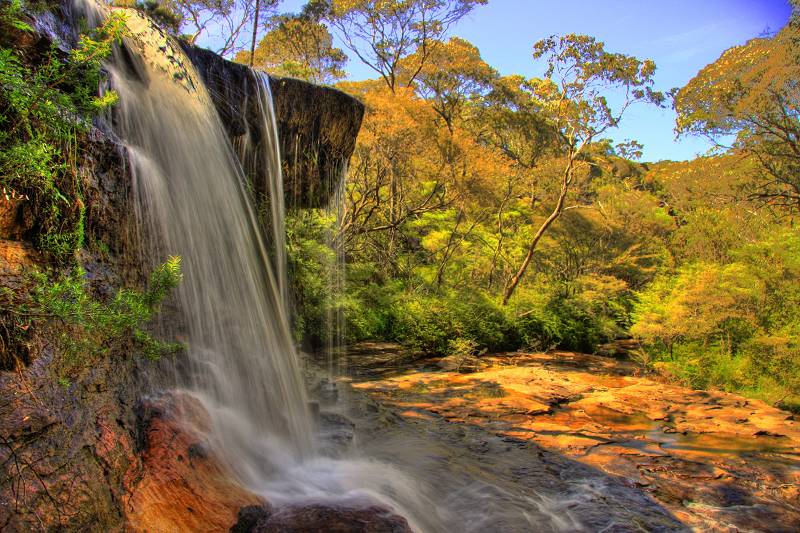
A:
546,319
46,105
423,324
310,262
85,328
431,323
367,311
731,326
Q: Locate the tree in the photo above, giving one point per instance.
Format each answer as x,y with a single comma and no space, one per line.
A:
164,13
396,173
453,75
298,46
381,33
511,119
256,19
573,96
220,24
752,92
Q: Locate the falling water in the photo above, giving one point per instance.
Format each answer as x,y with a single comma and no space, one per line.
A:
259,150
335,274
191,198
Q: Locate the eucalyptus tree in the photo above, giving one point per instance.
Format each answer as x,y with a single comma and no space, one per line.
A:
574,98
453,76
382,33
751,94
298,46
221,25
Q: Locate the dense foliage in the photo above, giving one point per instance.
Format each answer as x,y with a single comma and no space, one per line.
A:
46,104
487,212
82,327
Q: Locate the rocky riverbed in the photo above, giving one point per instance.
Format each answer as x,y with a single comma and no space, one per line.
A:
714,461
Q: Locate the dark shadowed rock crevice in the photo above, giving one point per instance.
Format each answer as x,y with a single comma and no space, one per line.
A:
317,126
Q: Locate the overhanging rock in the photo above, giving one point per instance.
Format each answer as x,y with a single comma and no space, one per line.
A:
317,126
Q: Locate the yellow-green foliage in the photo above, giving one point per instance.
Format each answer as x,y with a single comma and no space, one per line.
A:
45,105
300,47
731,325
84,328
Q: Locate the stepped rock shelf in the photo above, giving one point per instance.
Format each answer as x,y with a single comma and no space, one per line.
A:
716,461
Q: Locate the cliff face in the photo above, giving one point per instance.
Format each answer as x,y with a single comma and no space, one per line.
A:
67,450
317,126
74,456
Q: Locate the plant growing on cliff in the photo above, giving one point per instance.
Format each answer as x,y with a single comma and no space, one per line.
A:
85,327
46,103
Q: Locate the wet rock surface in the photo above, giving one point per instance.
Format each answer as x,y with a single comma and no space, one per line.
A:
320,517
471,479
65,447
64,450
180,484
317,126
716,461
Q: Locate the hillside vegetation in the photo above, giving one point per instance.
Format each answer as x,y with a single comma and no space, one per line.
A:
486,212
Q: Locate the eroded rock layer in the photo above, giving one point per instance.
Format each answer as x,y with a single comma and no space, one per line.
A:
317,126
717,461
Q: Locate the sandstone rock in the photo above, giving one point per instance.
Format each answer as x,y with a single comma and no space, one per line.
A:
15,256
180,485
460,363
248,518
10,227
317,126
64,450
713,459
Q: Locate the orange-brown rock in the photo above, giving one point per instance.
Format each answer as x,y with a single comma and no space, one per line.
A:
181,485
716,460
8,218
15,256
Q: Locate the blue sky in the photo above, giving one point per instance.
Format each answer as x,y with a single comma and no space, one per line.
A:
681,36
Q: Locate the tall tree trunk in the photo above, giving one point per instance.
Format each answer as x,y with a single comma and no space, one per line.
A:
393,213
557,210
255,33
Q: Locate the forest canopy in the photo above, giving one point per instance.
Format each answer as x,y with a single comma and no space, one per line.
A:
488,212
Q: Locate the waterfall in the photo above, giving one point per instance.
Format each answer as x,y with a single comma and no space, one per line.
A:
260,149
335,275
191,199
